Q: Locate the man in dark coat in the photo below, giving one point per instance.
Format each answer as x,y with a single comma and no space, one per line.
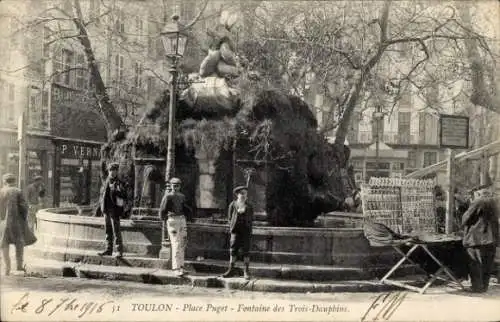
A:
240,217
14,227
480,223
113,194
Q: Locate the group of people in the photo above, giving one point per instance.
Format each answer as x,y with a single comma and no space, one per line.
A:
173,212
479,223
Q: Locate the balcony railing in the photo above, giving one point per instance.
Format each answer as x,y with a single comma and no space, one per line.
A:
366,137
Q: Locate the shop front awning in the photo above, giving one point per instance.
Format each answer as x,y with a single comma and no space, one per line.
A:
385,152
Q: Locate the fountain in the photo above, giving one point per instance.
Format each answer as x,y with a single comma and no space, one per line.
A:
231,130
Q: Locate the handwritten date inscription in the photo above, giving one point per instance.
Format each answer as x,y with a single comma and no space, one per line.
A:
51,306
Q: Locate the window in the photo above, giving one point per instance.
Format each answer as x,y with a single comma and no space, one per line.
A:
14,36
67,64
56,94
404,119
138,75
412,159
118,69
63,62
428,128
45,99
398,166
34,106
405,100
81,73
11,103
120,22
46,40
139,27
430,158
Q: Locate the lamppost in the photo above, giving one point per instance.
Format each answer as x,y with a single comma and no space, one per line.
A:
174,38
378,117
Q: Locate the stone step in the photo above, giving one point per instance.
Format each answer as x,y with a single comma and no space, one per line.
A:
44,268
210,266
78,255
302,272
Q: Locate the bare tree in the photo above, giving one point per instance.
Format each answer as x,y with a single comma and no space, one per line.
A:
362,53
66,24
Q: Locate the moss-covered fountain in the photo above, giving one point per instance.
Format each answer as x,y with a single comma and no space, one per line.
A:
231,130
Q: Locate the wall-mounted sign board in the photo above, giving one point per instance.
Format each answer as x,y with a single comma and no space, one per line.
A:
454,131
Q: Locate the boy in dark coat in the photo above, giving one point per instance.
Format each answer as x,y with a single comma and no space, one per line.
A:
14,227
240,217
113,194
480,224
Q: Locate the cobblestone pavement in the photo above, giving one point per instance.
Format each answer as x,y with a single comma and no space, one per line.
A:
126,301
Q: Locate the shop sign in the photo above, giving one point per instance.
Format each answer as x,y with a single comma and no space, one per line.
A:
79,151
454,131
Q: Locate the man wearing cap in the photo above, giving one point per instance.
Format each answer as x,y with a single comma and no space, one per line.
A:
35,191
480,224
13,228
240,217
173,209
113,195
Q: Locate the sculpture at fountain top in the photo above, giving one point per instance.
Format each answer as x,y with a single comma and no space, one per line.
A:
230,122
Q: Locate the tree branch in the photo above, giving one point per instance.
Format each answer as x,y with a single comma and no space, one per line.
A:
195,19
113,120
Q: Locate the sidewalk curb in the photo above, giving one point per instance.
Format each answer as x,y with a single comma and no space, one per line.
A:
45,268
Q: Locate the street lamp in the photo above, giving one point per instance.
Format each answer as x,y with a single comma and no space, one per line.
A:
174,38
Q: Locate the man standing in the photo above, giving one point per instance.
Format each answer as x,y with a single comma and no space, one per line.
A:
113,194
240,217
35,192
14,228
174,210
480,223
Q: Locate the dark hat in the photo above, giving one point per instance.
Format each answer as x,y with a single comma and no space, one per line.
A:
239,188
114,166
175,181
9,177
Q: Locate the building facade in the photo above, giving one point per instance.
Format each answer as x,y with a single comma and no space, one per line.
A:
44,75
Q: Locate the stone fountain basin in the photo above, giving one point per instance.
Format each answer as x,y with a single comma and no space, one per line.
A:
332,246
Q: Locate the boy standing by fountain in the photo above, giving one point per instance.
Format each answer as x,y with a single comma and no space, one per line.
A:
240,217
173,209
112,201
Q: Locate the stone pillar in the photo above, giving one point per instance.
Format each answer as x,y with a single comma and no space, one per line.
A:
205,192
